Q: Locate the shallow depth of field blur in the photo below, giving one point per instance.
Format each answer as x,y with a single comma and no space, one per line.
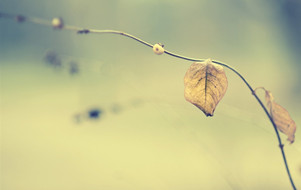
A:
146,135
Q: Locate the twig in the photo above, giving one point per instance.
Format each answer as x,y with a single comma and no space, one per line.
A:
21,18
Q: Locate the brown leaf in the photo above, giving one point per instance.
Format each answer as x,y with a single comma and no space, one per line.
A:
281,117
205,85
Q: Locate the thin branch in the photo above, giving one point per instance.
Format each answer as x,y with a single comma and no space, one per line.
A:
21,18
268,115
121,33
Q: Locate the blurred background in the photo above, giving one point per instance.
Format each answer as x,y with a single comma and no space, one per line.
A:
104,112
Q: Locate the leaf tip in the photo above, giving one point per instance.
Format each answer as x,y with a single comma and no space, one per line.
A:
208,114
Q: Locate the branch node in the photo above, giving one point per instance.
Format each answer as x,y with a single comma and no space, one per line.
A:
83,31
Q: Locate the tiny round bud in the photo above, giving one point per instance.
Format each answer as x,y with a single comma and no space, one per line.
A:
158,49
57,23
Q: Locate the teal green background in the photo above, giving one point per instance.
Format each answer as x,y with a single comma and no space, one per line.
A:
161,142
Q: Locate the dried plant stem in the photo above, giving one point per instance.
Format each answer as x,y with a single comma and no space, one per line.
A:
21,18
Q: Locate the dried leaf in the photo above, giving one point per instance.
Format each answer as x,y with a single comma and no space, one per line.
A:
281,117
205,85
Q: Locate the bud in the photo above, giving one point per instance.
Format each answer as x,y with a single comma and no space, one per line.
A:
57,23
158,49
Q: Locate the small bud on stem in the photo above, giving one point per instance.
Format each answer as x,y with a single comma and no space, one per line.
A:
158,49
57,23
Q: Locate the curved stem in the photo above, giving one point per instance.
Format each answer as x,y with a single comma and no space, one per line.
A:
85,31
270,118
123,34
183,57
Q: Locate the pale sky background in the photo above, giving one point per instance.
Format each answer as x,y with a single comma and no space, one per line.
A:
155,140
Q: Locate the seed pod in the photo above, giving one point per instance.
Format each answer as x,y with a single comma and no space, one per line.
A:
57,23
158,49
